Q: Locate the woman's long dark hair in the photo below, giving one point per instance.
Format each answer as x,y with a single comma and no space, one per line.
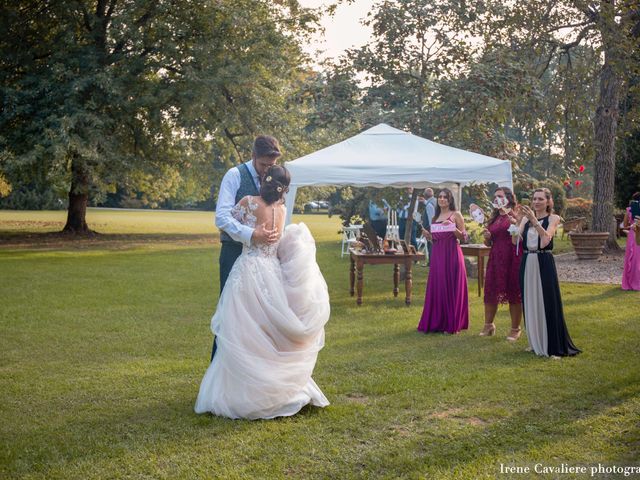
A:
452,202
511,198
275,184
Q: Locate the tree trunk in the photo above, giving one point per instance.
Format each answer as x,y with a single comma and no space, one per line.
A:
606,123
78,199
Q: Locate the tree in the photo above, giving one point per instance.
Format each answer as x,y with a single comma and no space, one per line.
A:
554,28
106,92
423,73
514,81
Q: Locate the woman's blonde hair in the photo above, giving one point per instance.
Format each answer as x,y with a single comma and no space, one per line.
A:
547,194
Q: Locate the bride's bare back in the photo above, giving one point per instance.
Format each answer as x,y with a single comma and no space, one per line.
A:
271,216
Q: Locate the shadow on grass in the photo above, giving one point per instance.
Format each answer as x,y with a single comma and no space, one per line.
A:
608,292
455,441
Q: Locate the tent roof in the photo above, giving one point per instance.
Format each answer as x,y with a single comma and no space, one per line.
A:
385,156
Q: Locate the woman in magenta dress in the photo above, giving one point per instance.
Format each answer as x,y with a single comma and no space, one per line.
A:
631,272
502,280
446,305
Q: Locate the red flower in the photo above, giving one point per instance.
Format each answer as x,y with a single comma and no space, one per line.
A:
578,183
581,168
567,183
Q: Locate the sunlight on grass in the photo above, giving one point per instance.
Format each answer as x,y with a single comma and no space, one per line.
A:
138,221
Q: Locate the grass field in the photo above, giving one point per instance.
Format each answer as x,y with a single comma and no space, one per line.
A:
102,349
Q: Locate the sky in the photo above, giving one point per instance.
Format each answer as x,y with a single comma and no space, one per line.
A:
343,30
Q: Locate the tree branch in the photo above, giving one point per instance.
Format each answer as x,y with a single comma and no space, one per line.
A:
569,25
550,8
138,23
588,9
85,17
173,69
145,16
579,38
549,58
112,6
100,7
231,138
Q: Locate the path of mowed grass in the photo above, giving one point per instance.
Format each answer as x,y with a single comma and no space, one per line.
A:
102,352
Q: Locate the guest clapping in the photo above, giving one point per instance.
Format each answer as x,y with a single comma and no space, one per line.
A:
502,280
543,314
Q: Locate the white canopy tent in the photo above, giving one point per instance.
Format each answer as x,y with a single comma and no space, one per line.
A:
384,156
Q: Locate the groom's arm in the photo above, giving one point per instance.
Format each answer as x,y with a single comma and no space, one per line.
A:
226,201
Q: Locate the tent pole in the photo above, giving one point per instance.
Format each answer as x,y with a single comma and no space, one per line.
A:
290,201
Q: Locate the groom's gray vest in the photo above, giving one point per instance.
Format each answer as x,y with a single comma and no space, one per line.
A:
247,187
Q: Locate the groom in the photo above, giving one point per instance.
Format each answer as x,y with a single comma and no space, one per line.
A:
237,183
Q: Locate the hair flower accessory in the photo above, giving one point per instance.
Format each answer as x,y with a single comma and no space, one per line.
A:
279,189
268,179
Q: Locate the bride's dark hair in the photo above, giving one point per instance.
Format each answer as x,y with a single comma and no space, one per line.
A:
275,184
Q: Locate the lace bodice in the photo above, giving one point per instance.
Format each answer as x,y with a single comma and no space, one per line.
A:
245,215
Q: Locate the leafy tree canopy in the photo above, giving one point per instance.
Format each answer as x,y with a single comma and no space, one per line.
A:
105,92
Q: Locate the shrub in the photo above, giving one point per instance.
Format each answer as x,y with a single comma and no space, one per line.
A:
578,207
25,198
474,231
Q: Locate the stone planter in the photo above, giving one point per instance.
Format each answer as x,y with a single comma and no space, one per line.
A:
588,245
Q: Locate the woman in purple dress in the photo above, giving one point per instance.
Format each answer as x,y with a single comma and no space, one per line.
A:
631,271
502,280
446,305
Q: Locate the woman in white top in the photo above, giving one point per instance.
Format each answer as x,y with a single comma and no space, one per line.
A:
542,304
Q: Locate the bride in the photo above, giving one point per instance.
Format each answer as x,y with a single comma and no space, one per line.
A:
269,324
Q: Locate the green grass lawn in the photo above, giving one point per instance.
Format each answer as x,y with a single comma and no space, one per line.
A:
102,350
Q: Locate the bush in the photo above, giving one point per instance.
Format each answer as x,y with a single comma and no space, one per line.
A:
25,198
474,231
578,207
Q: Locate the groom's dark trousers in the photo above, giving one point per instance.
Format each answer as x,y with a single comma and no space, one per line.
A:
229,253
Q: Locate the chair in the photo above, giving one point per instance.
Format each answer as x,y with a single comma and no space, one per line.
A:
422,248
349,237
573,225
620,231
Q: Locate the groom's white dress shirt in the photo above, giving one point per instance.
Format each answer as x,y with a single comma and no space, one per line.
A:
227,200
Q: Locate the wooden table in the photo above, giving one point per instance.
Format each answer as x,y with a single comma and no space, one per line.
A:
480,251
358,261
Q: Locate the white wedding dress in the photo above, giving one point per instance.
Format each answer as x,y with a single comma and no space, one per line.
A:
269,326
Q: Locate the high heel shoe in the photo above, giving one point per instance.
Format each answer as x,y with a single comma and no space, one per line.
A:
514,334
488,331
